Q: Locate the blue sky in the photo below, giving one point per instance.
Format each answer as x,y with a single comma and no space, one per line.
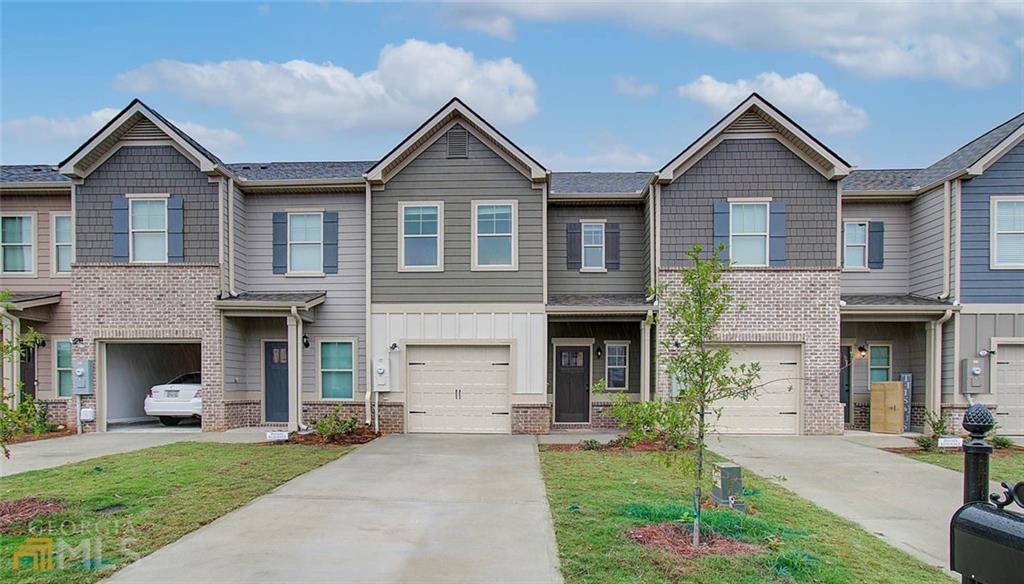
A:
580,86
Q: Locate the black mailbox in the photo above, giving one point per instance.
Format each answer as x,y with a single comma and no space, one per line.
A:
987,544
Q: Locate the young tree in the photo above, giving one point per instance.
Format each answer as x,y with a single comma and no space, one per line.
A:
11,347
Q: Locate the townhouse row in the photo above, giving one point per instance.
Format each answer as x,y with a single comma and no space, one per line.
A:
457,285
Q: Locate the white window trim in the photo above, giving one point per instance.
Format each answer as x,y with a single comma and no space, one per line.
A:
288,244
320,371
603,268
993,204
888,376
514,266
767,231
865,245
608,344
57,370
54,245
439,264
32,243
131,230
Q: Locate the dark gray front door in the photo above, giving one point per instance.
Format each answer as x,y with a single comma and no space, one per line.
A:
572,384
275,399
845,364
28,371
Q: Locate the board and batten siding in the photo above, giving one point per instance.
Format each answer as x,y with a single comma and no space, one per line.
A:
926,241
432,176
146,169
894,276
760,167
978,329
980,283
630,278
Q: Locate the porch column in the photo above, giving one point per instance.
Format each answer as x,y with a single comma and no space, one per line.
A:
645,360
294,355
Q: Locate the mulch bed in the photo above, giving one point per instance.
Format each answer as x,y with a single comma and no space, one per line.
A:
677,538
360,435
1001,453
21,510
45,435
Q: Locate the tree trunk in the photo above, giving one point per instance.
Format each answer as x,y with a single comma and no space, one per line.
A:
700,475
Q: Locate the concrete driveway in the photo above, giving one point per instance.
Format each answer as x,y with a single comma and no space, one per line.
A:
405,508
905,502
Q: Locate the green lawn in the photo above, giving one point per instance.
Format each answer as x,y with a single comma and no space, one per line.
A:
596,496
1003,465
168,491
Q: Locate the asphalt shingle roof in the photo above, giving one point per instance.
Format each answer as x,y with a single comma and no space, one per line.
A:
300,170
283,297
598,300
891,300
10,173
890,179
21,297
599,182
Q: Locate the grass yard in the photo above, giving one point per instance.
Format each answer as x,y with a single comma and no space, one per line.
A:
597,496
166,492
1004,465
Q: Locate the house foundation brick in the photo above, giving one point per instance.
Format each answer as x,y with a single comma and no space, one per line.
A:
57,411
531,418
862,416
390,415
783,306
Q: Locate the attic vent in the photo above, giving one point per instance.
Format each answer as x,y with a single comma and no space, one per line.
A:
458,139
748,123
143,130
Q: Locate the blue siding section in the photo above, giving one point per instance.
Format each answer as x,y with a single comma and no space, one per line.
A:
979,283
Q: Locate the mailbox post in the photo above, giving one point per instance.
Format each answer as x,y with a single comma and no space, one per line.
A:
978,421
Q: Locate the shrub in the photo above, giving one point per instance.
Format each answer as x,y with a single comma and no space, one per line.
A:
998,442
652,420
591,444
927,442
937,423
28,417
333,426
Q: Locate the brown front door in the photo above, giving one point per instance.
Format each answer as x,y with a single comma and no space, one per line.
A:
572,385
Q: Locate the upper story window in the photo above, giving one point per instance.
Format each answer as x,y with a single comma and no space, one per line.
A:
494,235
593,247
305,243
62,244
855,245
748,234
421,244
147,228
616,364
337,368
17,244
1007,233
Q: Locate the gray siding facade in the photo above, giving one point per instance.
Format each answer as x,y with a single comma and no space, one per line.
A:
894,276
980,283
432,176
146,169
977,331
751,168
632,275
926,241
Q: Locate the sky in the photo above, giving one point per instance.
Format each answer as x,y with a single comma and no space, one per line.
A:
578,85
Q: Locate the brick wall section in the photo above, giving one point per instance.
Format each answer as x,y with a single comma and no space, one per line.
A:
57,411
531,418
601,416
785,306
862,416
391,414
166,302
242,413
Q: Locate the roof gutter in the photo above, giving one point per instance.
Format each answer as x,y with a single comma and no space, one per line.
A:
600,309
234,304
35,186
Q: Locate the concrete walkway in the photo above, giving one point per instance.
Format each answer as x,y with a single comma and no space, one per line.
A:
53,452
905,502
405,508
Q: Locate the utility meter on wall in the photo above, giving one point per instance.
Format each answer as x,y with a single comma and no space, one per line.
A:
81,377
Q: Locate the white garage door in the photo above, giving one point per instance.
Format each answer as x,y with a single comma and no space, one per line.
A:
773,409
463,389
1010,388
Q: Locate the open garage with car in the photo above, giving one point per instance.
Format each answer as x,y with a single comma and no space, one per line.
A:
143,382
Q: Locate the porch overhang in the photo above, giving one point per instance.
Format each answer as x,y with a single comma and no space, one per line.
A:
636,305
272,304
26,300
893,308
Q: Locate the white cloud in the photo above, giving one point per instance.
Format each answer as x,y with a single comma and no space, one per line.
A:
961,43
633,88
302,99
220,141
607,154
802,96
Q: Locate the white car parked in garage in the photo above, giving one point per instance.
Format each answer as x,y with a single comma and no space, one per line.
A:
182,397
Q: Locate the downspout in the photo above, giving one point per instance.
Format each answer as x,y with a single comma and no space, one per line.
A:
936,405
298,368
368,322
231,238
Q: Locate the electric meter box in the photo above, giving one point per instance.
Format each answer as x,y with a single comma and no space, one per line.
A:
81,377
974,375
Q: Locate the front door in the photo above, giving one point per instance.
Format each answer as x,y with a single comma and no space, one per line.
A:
275,375
845,365
572,385
28,372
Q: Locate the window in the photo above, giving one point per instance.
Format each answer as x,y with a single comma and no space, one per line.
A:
337,369
880,362
63,369
616,364
305,243
62,244
1008,232
148,230
748,234
421,248
855,245
17,244
494,235
593,247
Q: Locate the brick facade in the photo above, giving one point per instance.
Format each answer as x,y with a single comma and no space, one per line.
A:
531,418
242,413
862,416
391,415
57,412
785,306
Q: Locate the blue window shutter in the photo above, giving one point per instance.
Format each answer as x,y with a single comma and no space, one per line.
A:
280,243
611,246
331,242
722,228
876,245
119,218
176,229
777,235
573,246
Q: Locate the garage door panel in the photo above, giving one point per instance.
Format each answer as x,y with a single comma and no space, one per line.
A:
774,407
459,389
1009,374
